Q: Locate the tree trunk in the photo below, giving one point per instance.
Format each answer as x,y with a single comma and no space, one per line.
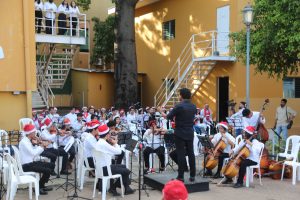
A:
125,63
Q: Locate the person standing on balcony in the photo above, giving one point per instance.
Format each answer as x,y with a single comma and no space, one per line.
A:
63,10
74,14
50,9
38,4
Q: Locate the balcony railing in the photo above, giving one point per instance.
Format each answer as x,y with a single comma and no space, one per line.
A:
68,28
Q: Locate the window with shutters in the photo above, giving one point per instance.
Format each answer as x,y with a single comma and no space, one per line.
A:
168,30
291,87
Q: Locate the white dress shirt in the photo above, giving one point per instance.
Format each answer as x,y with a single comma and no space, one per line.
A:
74,12
50,9
152,140
252,121
218,136
72,117
38,6
89,144
45,135
63,9
107,150
254,149
27,151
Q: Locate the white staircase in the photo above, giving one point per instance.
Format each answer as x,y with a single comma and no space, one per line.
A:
194,64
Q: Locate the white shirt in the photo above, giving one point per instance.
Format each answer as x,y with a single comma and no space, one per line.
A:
50,9
89,144
63,9
218,136
74,12
45,135
63,140
39,6
238,114
71,117
131,118
78,125
27,151
282,115
254,149
153,141
108,150
253,120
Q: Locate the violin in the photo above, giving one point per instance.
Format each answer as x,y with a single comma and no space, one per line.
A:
37,141
233,166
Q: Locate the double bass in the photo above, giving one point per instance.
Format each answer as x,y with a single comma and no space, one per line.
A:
260,128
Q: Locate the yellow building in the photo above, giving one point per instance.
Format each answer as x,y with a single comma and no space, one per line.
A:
176,34
17,68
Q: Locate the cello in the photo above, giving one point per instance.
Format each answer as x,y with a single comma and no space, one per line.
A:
233,166
213,157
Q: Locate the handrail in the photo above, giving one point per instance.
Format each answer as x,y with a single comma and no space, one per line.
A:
81,22
203,44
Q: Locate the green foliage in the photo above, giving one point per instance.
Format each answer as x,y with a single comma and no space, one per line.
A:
104,40
275,37
84,4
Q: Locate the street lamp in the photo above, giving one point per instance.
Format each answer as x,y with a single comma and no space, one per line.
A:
248,19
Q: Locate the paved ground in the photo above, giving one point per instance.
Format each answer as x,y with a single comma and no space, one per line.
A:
270,190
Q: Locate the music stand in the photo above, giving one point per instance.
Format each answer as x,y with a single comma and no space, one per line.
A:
206,143
123,137
170,145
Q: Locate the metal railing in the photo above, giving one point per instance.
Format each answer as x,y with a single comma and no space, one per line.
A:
202,45
44,87
54,28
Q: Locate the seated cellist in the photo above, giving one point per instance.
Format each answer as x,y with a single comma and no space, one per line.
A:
229,141
254,147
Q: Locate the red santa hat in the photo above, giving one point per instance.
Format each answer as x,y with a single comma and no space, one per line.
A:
47,122
29,128
103,129
250,129
175,190
223,124
67,121
93,124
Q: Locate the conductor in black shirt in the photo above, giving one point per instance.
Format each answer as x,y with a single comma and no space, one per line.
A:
184,113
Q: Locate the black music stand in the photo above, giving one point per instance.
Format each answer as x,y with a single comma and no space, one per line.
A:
170,145
123,137
206,143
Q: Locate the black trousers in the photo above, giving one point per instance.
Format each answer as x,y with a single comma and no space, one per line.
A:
38,21
160,152
71,152
118,159
117,169
52,154
244,164
40,167
173,156
74,25
181,144
62,24
91,162
49,27
221,161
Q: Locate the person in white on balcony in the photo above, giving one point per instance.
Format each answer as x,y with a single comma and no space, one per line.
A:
38,5
63,10
74,14
50,9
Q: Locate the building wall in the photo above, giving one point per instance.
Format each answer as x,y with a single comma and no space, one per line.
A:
101,89
79,88
17,69
156,56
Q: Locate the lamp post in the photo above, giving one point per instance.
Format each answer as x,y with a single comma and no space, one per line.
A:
248,19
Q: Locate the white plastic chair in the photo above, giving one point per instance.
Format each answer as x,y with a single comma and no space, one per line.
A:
293,140
24,121
294,164
4,169
16,178
83,164
238,139
98,156
69,144
4,148
249,172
